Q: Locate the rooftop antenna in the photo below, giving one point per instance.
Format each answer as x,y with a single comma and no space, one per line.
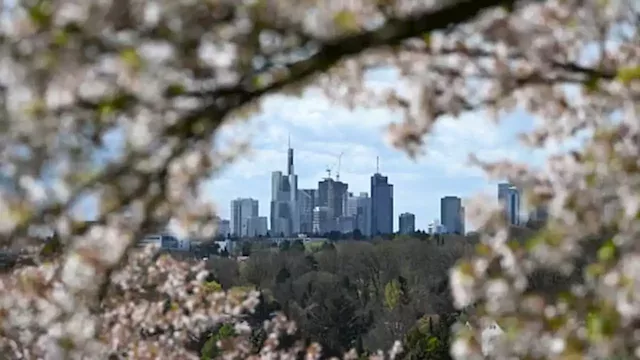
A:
338,169
290,158
289,141
377,165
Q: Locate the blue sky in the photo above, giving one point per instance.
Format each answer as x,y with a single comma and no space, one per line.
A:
320,130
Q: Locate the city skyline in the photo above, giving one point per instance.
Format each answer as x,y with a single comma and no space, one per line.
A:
360,211
332,207
422,220
320,132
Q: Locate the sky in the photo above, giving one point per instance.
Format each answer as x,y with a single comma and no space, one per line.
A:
320,131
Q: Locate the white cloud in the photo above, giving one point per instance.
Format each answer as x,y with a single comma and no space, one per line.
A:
318,114
454,139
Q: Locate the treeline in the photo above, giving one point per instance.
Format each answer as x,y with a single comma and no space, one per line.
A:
364,294
350,294
357,294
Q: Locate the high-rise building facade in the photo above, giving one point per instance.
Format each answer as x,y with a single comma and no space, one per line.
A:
345,224
333,194
241,210
223,227
509,198
322,220
285,207
256,226
407,223
452,214
539,213
307,202
359,208
381,205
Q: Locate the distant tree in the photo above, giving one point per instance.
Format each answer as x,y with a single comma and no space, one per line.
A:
333,235
246,248
209,248
429,339
262,312
226,271
312,262
327,246
403,237
357,234
285,245
422,235
211,350
405,298
297,245
327,307
220,237
282,276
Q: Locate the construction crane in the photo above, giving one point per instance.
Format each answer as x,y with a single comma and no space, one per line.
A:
338,169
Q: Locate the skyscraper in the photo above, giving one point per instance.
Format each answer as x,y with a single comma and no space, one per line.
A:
280,211
539,213
306,204
333,195
509,198
223,227
322,221
452,214
381,205
407,223
359,207
293,193
241,211
285,212
256,226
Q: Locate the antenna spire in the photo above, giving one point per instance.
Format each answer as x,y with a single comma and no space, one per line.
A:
290,158
377,165
289,141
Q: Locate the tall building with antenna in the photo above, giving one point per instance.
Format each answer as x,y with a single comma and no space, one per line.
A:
293,194
381,203
285,209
